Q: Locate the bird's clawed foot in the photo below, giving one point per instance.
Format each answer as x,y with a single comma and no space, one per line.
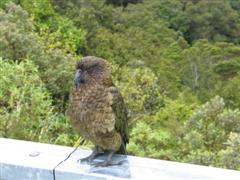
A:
107,162
89,158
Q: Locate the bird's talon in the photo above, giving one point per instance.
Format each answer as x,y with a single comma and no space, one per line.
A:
85,160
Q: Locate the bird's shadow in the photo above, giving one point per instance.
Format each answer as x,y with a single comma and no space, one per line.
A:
122,170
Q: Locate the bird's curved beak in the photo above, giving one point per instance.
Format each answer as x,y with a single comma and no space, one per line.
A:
77,78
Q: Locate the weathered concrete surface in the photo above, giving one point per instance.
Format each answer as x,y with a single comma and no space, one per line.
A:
143,168
74,168
23,160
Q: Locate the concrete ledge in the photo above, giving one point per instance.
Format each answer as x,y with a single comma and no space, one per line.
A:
23,160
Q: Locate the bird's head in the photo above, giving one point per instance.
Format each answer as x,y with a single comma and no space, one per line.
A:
92,69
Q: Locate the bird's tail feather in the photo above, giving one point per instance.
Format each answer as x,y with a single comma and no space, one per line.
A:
122,149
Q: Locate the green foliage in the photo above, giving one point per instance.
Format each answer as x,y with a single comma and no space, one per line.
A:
25,105
18,41
158,135
230,90
200,71
65,36
151,142
41,10
122,2
16,34
55,31
229,157
60,131
213,20
235,5
173,12
4,2
140,90
210,126
26,110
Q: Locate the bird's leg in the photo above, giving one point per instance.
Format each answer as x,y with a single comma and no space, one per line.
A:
108,161
91,157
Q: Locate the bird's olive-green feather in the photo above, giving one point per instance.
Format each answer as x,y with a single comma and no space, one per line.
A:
120,111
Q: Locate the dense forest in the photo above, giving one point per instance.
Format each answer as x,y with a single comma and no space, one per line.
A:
176,63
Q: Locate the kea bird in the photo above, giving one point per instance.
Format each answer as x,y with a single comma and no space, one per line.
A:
97,110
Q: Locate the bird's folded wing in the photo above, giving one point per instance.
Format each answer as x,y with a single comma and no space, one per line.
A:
120,111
